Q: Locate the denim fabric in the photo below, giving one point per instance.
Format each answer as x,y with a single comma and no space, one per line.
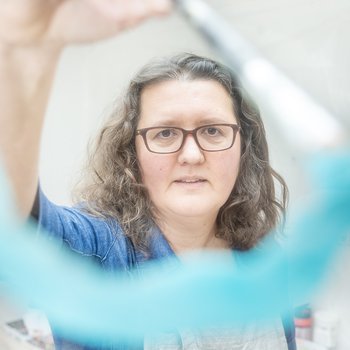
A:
100,240
104,242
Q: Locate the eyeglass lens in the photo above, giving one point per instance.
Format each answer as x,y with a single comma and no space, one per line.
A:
209,138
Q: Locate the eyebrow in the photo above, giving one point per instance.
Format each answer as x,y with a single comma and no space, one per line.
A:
206,121
216,120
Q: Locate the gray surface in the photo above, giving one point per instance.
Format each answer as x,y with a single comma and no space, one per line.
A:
309,40
8,309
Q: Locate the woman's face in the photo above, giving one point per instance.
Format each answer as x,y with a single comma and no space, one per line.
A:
190,182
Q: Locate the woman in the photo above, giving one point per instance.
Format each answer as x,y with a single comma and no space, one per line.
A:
181,165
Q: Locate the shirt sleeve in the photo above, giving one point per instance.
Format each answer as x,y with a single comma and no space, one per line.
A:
83,233
98,239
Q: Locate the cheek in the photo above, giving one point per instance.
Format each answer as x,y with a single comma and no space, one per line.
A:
228,168
229,174
154,168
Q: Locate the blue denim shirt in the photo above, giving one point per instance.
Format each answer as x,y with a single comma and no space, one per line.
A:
104,241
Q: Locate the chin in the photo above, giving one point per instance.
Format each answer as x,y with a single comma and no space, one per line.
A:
194,210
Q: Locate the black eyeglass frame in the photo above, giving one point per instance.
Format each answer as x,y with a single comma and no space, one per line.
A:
142,132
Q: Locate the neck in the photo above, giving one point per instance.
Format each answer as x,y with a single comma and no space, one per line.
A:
190,233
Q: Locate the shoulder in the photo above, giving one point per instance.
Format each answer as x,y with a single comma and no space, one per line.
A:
84,233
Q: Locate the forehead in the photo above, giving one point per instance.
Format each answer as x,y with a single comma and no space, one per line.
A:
186,103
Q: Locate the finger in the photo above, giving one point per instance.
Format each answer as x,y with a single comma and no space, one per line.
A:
139,10
130,11
160,7
78,21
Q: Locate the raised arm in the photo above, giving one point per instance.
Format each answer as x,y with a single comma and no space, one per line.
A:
33,33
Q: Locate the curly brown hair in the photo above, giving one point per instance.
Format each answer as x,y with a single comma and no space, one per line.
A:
113,188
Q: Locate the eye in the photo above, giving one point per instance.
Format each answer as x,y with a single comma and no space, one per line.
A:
211,131
166,133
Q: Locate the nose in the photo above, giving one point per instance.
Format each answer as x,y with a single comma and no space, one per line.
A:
190,152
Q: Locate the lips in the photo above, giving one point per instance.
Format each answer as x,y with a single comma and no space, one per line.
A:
190,180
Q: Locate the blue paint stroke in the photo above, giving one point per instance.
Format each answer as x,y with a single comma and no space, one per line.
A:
205,290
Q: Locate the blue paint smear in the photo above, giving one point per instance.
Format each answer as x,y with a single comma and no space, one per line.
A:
206,289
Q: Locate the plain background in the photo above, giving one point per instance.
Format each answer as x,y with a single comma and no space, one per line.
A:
307,39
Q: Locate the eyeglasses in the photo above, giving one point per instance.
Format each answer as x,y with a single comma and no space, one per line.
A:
210,138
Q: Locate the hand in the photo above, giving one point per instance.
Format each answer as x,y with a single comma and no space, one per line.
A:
32,35
63,22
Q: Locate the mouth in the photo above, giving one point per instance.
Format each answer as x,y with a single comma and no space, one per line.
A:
190,181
